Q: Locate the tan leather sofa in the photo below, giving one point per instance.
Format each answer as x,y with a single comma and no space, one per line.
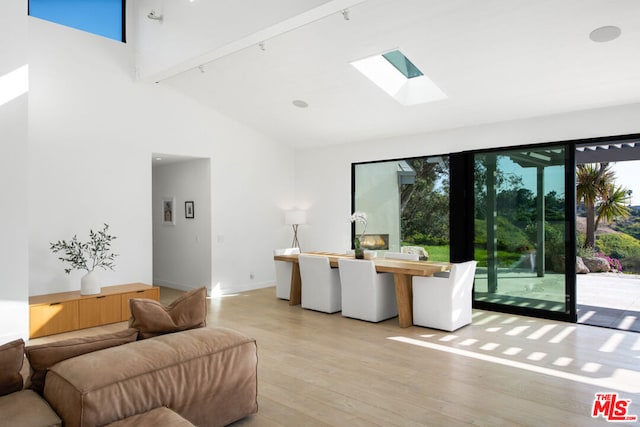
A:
204,377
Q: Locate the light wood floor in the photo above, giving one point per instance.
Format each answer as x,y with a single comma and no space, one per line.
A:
317,369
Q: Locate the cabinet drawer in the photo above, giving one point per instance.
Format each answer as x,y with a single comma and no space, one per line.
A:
151,293
53,318
99,310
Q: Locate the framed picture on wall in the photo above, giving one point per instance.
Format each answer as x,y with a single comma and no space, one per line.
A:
189,212
168,211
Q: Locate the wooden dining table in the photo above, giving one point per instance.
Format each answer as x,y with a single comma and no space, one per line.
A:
402,270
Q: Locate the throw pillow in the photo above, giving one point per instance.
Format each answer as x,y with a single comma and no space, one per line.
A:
43,356
152,318
11,358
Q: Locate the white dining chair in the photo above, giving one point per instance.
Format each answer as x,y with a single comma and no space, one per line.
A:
366,294
444,302
283,272
320,284
400,255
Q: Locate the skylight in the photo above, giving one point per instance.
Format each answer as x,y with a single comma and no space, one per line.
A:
394,73
402,64
102,17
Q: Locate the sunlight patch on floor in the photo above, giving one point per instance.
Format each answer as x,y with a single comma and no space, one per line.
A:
627,322
621,379
537,356
517,331
591,367
562,335
490,346
586,316
563,361
612,343
486,319
541,332
512,351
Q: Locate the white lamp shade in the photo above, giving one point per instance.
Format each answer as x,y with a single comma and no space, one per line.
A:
295,217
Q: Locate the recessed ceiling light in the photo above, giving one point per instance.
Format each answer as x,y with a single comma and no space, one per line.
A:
605,34
300,103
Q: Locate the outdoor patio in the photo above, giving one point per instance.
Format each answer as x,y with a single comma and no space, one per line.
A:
609,299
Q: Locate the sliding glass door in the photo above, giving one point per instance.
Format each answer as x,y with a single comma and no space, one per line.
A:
523,231
512,210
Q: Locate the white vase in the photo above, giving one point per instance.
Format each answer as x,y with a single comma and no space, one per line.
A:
89,284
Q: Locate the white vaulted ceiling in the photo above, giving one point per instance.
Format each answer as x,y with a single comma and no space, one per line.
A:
496,60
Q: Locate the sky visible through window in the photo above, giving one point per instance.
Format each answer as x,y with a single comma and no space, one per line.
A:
626,176
101,17
553,176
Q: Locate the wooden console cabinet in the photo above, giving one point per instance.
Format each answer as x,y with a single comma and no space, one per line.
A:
67,311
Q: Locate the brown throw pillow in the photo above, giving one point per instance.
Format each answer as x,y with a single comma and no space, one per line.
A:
11,358
43,356
152,318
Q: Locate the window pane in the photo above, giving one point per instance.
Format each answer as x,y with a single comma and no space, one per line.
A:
101,17
520,228
402,64
407,205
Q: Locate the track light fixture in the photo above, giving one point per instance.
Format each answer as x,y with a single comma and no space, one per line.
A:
345,14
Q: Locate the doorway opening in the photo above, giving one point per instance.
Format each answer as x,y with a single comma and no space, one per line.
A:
181,218
608,234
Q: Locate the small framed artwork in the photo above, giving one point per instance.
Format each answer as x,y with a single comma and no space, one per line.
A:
168,211
189,212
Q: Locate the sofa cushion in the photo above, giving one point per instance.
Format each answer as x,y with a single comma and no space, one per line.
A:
151,318
26,408
207,375
42,357
11,358
161,416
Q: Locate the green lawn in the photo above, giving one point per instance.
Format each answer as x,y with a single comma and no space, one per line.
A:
441,253
436,253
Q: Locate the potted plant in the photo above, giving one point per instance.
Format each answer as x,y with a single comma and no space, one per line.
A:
87,256
359,217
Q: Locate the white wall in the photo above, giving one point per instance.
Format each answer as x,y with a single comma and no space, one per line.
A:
92,131
323,175
14,276
182,251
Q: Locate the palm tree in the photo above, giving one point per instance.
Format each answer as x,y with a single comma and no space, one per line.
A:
613,204
596,188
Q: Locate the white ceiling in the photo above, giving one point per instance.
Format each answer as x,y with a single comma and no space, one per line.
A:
496,60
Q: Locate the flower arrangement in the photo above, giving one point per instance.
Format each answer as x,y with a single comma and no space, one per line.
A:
359,217
87,255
